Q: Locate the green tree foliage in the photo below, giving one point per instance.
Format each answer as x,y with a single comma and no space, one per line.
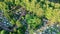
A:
32,6
38,9
34,22
2,32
